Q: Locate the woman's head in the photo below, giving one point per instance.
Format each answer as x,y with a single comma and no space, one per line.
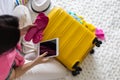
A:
9,32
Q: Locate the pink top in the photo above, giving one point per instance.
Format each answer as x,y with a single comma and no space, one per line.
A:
7,59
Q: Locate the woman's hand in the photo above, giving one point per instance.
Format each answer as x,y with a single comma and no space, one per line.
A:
18,71
41,59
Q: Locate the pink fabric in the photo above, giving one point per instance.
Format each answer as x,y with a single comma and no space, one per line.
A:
35,33
100,34
19,47
6,61
19,59
37,37
30,33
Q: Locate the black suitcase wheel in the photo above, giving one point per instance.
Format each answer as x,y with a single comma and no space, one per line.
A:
100,42
92,51
75,65
78,69
75,73
97,42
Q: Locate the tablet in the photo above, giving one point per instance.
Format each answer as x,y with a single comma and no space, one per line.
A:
51,46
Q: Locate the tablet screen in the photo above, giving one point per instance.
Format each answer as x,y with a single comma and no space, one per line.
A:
51,46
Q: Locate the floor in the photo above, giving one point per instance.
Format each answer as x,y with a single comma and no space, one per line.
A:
104,14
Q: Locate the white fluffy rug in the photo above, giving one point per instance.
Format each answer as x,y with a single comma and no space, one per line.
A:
104,14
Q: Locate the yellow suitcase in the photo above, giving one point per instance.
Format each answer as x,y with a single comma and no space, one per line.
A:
76,40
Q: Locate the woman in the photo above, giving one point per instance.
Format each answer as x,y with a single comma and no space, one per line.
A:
12,63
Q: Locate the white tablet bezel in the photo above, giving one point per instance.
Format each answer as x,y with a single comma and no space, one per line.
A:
57,47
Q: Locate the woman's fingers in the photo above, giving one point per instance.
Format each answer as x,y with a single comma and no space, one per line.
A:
41,59
44,54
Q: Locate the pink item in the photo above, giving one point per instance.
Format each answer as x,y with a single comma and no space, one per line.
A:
19,47
6,61
35,32
37,37
100,34
30,33
23,2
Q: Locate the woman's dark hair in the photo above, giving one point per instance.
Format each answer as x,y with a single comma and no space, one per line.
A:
9,32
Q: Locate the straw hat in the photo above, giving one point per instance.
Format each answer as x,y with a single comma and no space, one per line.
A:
23,14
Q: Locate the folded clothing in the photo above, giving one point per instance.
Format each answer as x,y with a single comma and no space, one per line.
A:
35,33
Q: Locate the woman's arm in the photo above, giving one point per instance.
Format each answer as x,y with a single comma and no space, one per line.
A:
17,72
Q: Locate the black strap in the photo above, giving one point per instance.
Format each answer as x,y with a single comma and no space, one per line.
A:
13,66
